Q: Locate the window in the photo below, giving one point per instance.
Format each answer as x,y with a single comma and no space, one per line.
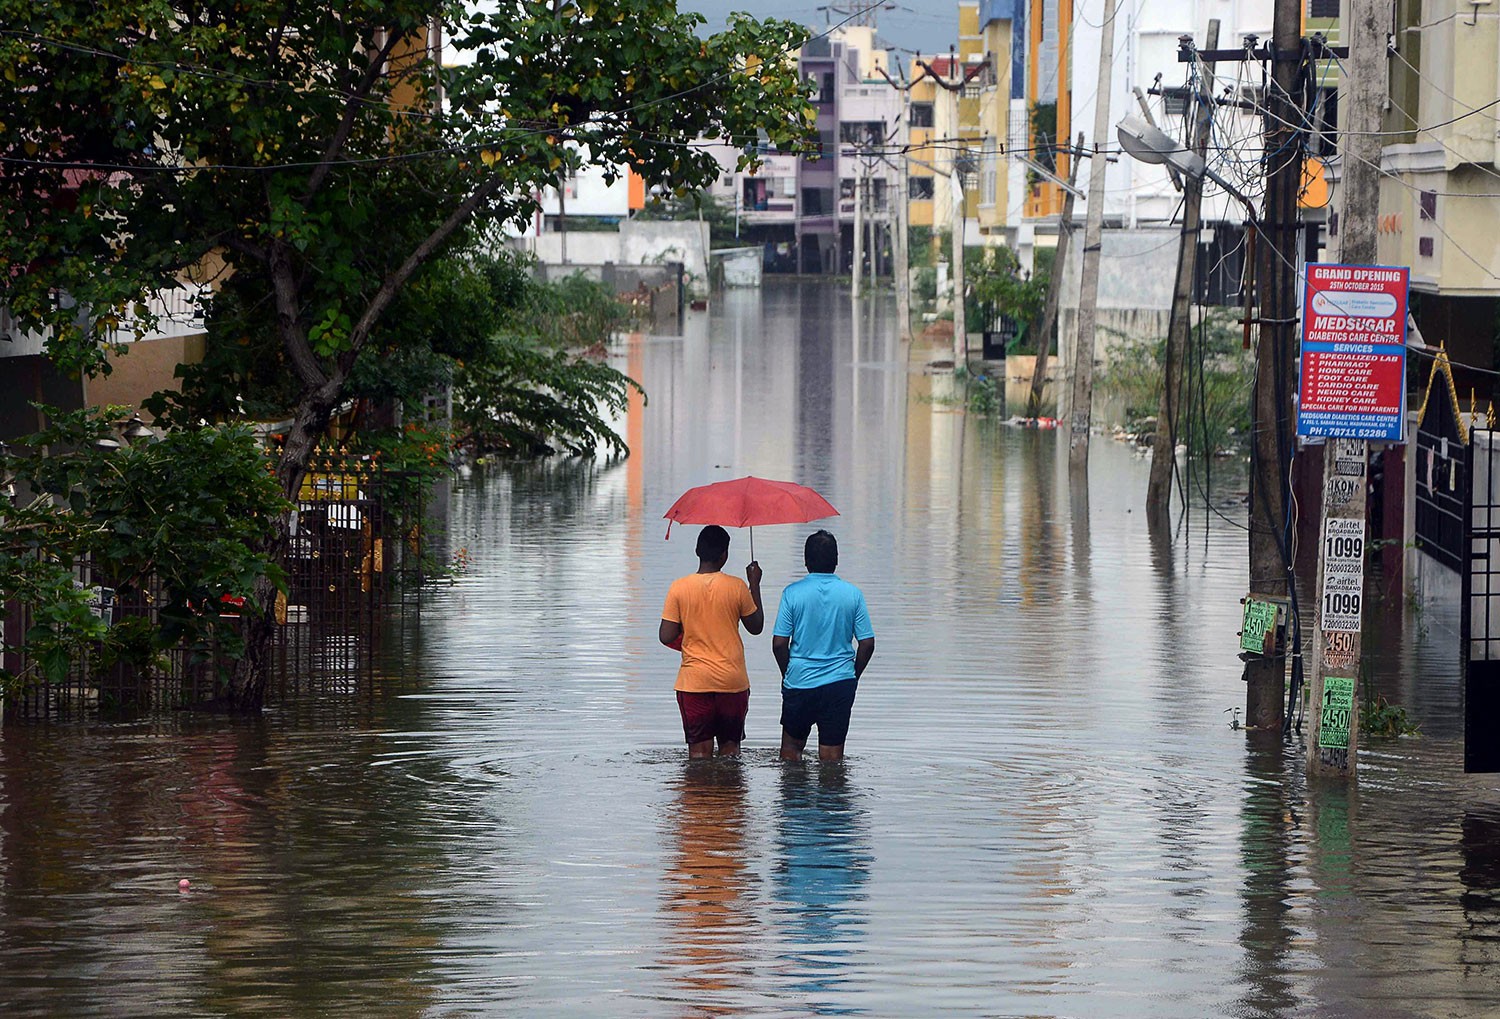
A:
865,133
846,187
921,114
825,90
1325,139
817,201
919,188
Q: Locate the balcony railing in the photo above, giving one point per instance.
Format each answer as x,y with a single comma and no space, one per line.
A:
177,312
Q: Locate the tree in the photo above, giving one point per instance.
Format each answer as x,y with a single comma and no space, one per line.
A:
996,280
303,151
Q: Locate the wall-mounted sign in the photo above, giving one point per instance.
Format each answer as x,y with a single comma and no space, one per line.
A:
1353,352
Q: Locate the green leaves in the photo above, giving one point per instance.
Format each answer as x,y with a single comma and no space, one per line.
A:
182,517
533,387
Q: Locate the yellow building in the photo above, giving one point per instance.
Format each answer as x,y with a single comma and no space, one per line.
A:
1048,97
923,161
960,119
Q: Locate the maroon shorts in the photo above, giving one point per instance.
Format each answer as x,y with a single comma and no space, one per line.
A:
706,716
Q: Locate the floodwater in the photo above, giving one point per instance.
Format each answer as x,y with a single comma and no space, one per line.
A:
1045,810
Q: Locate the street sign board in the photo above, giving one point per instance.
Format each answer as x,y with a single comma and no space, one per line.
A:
1353,352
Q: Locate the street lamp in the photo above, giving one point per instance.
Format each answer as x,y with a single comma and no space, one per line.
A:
1150,144
135,430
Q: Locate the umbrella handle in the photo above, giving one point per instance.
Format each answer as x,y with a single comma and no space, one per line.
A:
752,544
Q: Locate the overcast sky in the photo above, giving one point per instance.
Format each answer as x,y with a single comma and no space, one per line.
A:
930,26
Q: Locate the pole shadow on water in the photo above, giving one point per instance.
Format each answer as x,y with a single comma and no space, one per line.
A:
1078,502
823,859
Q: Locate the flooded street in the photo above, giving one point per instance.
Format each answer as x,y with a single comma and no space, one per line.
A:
1045,810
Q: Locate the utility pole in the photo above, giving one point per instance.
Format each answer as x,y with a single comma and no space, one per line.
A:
1337,655
900,246
1093,236
562,219
960,311
902,239
1273,433
956,172
859,228
1054,286
1164,446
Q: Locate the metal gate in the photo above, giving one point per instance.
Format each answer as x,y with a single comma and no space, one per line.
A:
1480,614
1442,476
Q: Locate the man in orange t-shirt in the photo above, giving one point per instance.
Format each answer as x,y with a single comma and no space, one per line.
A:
702,617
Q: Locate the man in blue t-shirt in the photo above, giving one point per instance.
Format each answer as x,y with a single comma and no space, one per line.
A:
822,642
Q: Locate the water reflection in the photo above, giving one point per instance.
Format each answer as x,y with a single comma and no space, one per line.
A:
822,864
708,887
1480,898
97,833
1267,934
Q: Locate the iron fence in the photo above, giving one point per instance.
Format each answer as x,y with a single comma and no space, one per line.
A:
355,566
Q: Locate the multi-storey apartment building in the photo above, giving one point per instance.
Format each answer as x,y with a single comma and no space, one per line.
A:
1440,185
802,206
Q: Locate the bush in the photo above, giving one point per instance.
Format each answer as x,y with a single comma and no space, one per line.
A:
1216,387
188,515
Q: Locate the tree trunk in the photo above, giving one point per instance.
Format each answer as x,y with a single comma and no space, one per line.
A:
252,673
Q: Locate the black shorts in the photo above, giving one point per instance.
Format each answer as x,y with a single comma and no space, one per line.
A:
825,706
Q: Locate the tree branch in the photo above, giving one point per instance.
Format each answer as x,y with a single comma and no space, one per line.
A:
293,337
244,247
346,123
392,284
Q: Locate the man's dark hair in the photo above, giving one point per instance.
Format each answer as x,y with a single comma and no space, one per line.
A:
713,543
821,552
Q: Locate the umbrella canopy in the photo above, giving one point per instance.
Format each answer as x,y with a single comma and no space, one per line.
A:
749,502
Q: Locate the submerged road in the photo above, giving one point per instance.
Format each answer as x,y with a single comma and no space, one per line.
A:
1045,810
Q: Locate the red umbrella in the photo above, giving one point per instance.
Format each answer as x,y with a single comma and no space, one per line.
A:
746,502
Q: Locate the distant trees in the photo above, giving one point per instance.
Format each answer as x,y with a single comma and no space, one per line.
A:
317,162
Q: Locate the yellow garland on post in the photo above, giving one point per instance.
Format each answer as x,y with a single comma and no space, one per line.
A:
1440,363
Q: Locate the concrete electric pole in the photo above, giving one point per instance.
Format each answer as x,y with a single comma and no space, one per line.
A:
957,169
1164,446
1082,406
1343,536
1054,286
901,244
859,230
1273,431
